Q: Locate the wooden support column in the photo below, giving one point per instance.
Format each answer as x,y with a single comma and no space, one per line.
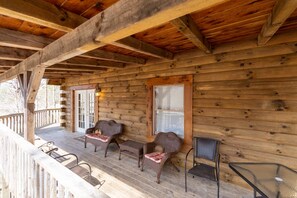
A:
29,122
29,83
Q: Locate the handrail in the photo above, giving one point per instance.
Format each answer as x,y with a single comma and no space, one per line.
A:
43,118
46,117
26,171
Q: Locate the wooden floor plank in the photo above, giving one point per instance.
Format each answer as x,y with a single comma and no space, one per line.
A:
124,179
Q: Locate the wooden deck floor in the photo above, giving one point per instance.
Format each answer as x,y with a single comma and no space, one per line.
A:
122,179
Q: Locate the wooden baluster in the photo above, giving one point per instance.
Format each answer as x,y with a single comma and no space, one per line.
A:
16,124
53,187
23,122
61,191
9,123
12,123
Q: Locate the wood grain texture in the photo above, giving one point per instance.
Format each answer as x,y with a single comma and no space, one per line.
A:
41,13
243,95
280,13
130,181
133,44
15,39
187,26
103,32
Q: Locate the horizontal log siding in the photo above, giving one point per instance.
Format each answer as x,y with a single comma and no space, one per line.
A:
245,98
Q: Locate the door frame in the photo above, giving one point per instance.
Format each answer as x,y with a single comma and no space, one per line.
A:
71,126
86,97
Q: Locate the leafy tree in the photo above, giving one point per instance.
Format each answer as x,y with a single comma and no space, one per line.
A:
11,99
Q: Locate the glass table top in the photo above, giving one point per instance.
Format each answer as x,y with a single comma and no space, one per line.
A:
269,179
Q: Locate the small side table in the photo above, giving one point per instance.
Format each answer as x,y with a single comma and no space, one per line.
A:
132,149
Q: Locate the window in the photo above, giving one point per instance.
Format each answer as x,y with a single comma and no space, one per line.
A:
169,109
169,106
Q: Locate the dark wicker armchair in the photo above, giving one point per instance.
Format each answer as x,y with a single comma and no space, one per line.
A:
168,144
110,130
207,149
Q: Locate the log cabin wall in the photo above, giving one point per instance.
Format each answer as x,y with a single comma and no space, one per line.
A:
244,95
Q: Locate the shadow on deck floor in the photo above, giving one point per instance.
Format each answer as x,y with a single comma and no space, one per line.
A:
123,179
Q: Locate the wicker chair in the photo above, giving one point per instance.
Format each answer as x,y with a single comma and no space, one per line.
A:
170,145
110,130
207,149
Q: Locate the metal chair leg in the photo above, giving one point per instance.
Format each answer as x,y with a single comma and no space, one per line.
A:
218,184
186,180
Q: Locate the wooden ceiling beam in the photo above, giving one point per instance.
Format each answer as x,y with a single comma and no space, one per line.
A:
8,53
92,62
106,28
59,75
59,67
189,29
6,63
42,13
45,14
282,10
52,72
136,45
11,38
106,55
13,55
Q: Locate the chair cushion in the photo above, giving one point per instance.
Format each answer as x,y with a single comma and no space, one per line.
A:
156,156
203,170
102,138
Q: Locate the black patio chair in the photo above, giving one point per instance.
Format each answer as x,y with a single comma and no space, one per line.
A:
69,160
207,149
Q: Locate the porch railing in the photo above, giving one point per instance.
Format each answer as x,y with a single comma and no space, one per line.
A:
26,171
42,118
46,117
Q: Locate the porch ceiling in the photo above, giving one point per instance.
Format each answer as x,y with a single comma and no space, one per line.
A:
223,22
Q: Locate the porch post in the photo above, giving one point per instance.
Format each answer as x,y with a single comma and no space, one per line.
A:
29,122
30,82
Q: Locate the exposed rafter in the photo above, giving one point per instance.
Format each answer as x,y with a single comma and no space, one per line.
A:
42,13
11,38
92,62
13,55
8,53
79,73
106,28
281,11
5,63
142,47
188,28
46,14
105,55
59,67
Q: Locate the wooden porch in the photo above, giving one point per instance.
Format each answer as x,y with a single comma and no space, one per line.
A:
236,61
123,178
